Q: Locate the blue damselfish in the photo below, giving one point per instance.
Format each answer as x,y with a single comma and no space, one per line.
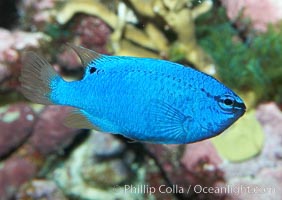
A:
142,99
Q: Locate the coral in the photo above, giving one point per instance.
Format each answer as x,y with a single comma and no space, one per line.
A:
127,39
172,12
102,160
249,9
40,189
11,118
186,37
85,175
114,172
89,7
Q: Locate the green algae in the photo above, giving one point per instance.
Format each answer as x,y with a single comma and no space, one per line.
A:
245,61
11,117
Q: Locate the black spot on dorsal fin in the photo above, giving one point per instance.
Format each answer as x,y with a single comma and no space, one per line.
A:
92,70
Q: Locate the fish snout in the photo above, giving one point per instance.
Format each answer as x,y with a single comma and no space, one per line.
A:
239,108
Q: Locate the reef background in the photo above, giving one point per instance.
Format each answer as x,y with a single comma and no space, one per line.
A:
231,40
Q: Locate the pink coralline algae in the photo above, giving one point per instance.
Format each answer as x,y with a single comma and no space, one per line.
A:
13,174
12,43
16,123
50,135
37,13
92,32
199,166
261,13
45,136
5,72
68,59
202,151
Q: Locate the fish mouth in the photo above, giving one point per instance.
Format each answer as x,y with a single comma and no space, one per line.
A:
240,108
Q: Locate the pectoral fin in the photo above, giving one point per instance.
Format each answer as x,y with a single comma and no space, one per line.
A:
169,124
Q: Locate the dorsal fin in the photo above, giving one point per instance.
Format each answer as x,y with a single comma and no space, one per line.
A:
85,55
78,119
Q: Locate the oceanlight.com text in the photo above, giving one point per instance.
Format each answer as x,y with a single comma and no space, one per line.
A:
226,189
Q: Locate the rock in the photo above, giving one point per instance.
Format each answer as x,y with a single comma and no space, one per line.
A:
68,59
187,166
37,13
105,174
106,145
242,141
92,32
103,163
266,185
16,123
270,118
196,153
85,176
50,135
4,72
12,43
13,174
40,189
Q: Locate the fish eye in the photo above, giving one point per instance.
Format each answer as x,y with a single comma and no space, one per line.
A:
227,102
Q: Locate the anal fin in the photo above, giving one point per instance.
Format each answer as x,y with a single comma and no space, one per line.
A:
79,119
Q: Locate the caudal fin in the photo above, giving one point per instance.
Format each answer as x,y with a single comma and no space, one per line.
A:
36,79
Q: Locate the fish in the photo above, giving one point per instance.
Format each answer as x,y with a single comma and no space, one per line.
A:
143,99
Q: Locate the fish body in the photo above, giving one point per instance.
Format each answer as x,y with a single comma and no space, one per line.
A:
141,98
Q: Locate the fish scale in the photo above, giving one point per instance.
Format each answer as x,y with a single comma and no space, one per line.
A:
142,99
